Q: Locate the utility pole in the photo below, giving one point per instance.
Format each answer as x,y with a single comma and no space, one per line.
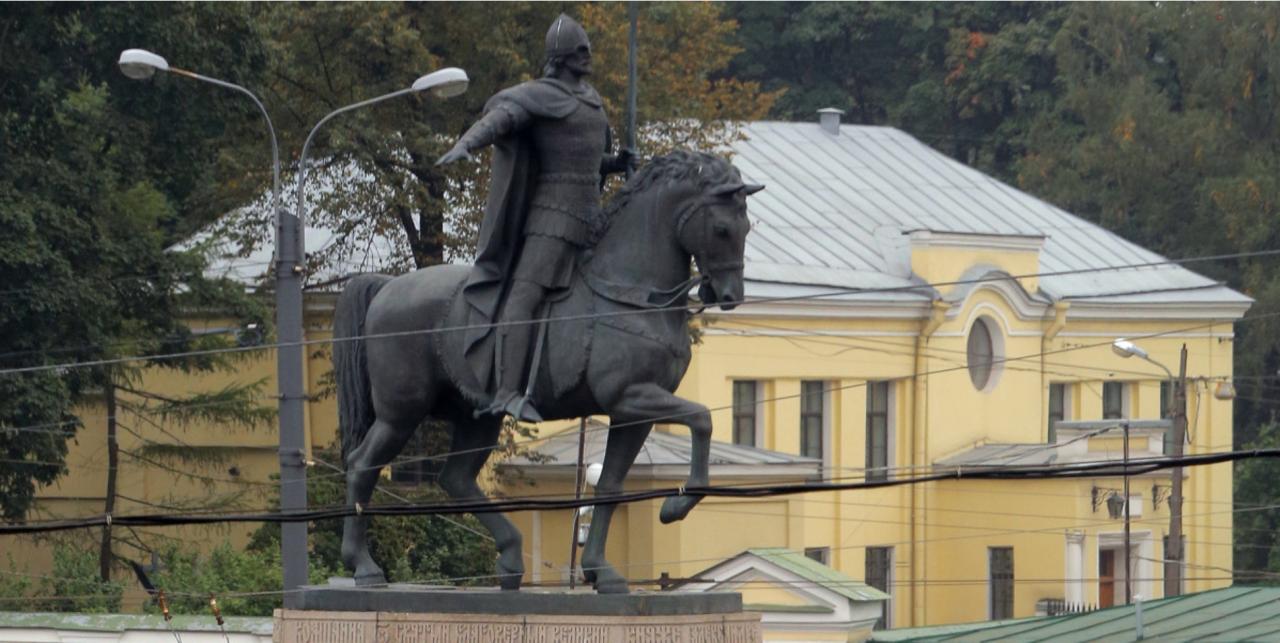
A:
633,17
1128,566
293,468
1173,555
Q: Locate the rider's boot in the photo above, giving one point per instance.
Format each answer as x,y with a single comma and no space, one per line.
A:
517,340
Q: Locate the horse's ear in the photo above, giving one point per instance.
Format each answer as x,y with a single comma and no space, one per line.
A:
727,188
752,188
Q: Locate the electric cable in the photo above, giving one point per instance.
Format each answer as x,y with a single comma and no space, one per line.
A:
1018,472
686,308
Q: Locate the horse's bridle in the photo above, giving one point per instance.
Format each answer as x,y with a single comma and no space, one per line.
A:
698,207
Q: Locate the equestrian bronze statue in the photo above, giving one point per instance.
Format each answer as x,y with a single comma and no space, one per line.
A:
605,310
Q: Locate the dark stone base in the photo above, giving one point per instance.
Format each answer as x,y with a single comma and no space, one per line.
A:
429,599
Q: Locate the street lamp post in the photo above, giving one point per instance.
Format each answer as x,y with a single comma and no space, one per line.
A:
444,83
1173,548
140,64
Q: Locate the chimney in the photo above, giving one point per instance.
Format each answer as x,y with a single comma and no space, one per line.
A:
829,119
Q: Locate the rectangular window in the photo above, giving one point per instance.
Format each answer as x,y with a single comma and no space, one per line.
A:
744,412
1001,581
877,431
811,420
1057,409
1113,400
878,569
819,554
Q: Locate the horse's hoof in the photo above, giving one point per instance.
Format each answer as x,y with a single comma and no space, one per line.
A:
616,586
676,508
371,579
510,579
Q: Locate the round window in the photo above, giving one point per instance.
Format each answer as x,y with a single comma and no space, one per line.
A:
983,353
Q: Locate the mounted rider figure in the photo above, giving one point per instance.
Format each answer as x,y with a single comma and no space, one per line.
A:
551,155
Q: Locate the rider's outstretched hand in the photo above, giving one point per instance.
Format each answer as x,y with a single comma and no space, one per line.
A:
458,153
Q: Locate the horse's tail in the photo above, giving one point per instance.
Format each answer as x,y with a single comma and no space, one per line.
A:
350,370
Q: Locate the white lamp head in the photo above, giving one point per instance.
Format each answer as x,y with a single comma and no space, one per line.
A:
1126,348
444,83
593,473
140,64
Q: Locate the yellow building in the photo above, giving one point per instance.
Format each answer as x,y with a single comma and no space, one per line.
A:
913,316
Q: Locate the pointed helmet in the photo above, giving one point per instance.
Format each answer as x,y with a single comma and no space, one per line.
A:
565,36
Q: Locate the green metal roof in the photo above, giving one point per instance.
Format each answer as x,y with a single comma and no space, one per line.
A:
125,622
1230,614
821,575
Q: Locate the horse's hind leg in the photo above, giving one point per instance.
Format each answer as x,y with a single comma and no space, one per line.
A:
623,446
473,440
364,465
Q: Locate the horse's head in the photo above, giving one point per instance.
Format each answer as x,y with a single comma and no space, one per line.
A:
713,229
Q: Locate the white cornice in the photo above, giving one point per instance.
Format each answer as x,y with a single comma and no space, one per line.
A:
1011,242
1226,312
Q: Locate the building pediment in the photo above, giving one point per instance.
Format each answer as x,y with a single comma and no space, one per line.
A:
793,591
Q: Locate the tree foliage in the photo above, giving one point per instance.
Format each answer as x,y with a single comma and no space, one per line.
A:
1155,120
100,175
375,173
453,550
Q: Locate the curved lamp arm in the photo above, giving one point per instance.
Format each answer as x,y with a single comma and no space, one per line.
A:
444,83
140,64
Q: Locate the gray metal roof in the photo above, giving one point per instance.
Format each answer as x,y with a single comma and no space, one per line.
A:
834,216
837,207
660,450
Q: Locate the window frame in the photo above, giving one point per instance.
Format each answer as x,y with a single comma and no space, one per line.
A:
748,413
878,472
1000,585
813,420
1123,393
886,615
1063,413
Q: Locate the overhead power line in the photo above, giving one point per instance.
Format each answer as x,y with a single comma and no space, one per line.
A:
1036,472
923,287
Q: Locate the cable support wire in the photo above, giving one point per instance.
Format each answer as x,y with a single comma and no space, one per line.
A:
905,349
485,505
661,419
1049,531
923,288
854,385
122,278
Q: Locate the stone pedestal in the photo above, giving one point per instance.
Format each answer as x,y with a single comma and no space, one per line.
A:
404,613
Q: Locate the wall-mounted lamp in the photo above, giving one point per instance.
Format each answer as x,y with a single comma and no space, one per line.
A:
1113,498
1115,506
1225,390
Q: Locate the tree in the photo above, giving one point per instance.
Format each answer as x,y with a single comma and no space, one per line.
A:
376,174
963,77
1257,551
446,549
101,176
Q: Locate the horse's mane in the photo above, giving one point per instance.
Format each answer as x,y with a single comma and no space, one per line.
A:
705,170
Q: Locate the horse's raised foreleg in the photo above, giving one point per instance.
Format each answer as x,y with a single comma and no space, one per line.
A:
473,440
652,402
364,465
620,451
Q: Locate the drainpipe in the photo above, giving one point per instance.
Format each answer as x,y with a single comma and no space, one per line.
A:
919,457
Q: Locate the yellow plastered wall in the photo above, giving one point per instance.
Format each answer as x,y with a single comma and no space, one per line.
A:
954,523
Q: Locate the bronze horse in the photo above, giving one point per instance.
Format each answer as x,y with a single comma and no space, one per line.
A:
616,344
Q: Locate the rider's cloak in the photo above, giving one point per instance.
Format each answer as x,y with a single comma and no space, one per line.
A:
513,176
